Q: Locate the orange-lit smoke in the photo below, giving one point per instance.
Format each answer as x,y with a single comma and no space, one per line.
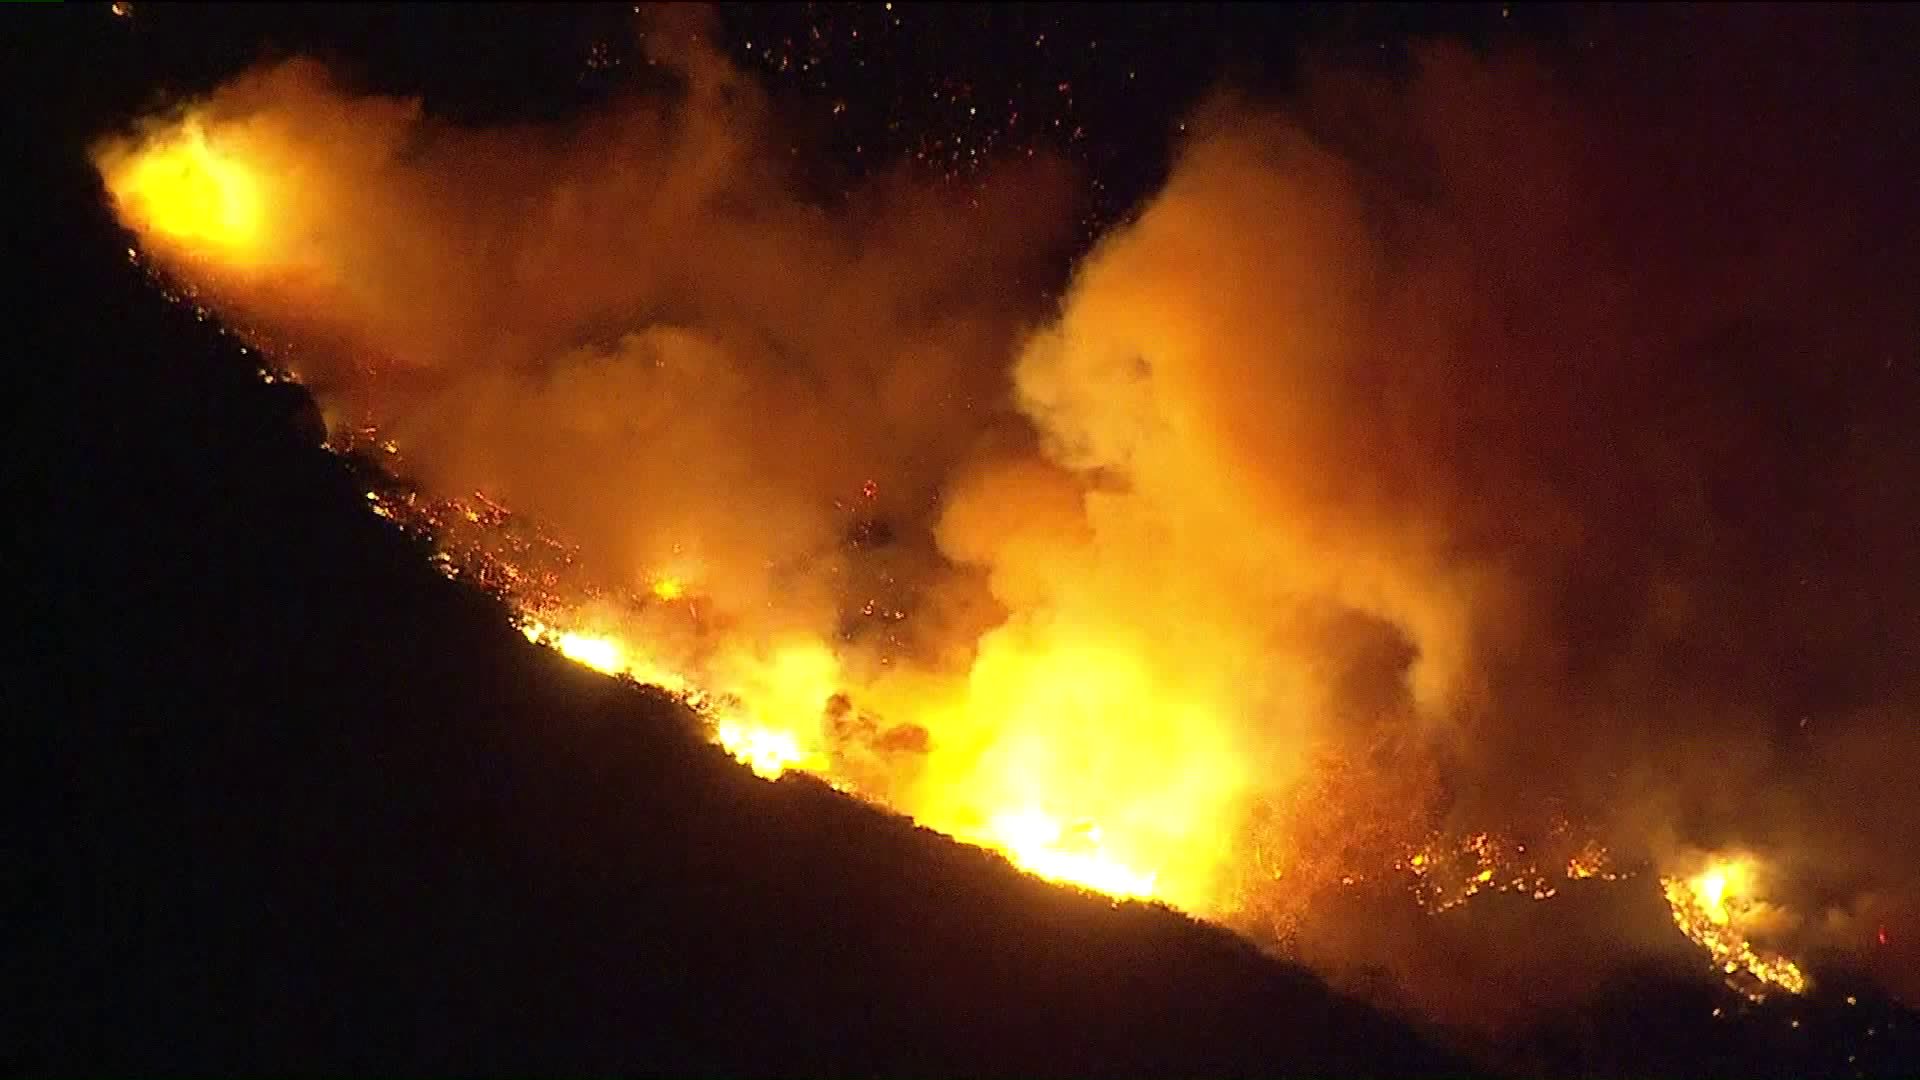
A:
1523,439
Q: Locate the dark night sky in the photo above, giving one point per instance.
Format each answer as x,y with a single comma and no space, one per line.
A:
1106,82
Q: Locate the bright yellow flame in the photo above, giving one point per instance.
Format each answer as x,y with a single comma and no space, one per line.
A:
767,752
1711,889
1040,845
605,654
600,654
796,681
191,193
1052,729
668,588
782,697
1716,908
1002,779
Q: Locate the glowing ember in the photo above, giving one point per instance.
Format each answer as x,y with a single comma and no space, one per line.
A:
1716,908
1589,862
1033,840
768,751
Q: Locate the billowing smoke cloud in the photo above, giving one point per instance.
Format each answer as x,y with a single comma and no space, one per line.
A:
1515,440
633,327
1589,405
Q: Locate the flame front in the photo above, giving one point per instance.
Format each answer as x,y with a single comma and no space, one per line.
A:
764,715
191,193
1038,842
768,752
1715,908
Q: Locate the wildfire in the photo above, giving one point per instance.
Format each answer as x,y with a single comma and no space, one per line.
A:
1589,862
597,653
1038,842
769,753
604,654
1084,755
1032,839
1716,909
1448,872
193,193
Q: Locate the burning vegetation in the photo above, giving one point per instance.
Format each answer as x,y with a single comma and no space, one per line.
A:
1716,908
1318,525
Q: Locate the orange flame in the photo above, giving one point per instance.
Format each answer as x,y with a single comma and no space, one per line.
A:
1716,909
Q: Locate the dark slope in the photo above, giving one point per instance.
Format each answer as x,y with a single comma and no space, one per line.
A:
301,804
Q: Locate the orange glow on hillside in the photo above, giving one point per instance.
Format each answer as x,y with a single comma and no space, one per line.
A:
188,191
1717,908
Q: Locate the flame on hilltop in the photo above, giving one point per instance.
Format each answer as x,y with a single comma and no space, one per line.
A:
191,193
1448,871
1039,842
1717,908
